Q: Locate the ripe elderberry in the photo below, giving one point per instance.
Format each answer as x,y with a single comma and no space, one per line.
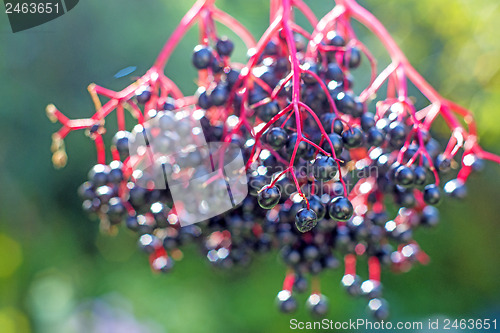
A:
340,209
286,302
305,220
224,47
268,197
202,57
276,137
353,137
404,176
324,168
317,304
432,194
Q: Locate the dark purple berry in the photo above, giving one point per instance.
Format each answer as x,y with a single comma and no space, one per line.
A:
300,284
443,164
270,49
404,176
378,308
353,138
290,146
143,95
324,168
317,305
115,175
149,243
367,121
268,197
429,217
169,104
338,126
456,189
276,137
317,206
232,76
351,284
420,174
202,57
340,209
219,94
375,137
432,194
305,220
337,143
333,72
306,77
224,47
86,191
334,39
267,111
397,134
371,289
116,210
346,103
352,58
121,142
256,183
204,99
98,175
286,302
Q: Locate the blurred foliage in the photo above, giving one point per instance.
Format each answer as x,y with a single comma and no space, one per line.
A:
52,257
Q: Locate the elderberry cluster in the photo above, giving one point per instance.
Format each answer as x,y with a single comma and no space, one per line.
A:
312,228
331,175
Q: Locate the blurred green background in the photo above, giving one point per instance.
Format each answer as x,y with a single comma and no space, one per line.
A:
58,274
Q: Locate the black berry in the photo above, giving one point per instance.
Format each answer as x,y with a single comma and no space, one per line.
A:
202,57
268,197
340,208
305,220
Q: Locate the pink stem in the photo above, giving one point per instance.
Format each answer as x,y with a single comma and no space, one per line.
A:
234,25
179,32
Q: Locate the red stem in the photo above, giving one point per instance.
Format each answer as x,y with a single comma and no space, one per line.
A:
374,268
350,264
